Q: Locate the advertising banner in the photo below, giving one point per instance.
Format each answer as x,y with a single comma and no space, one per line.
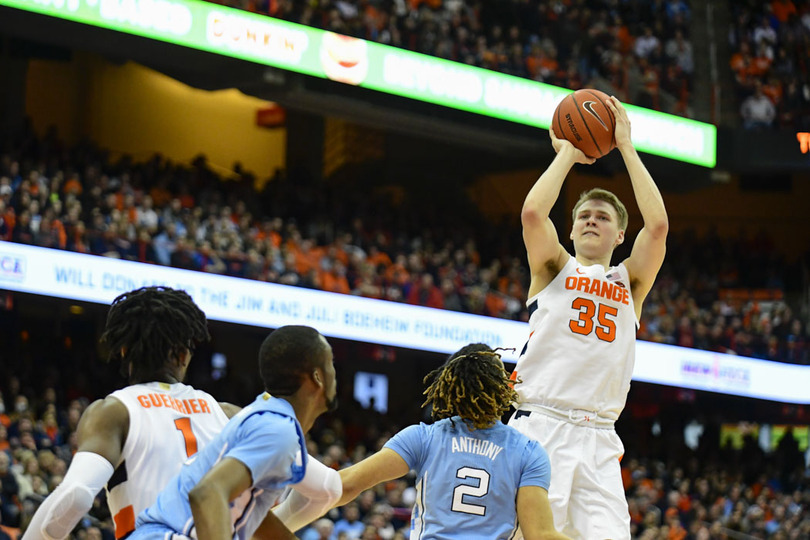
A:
256,38
91,278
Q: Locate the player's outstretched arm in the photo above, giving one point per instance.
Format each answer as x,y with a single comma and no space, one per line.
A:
650,246
101,434
539,234
383,466
320,489
534,514
210,498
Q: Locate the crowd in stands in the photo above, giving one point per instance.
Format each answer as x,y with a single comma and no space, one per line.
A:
639,51
770,44
418,251
697,302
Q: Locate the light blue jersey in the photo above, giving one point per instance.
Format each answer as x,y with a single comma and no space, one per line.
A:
267,438
467,480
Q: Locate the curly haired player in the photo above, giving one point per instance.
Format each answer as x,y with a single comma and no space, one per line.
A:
134,440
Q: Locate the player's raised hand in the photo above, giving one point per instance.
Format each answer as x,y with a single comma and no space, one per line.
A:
622,132
565,147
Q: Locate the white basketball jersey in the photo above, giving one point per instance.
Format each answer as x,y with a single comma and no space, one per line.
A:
168,423
581,346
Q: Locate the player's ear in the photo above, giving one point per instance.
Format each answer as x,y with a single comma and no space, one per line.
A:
317,377
182,358
620,238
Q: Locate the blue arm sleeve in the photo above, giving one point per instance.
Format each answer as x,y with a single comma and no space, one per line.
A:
267,444
536,469
409,444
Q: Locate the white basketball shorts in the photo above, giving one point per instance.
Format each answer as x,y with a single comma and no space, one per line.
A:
586,491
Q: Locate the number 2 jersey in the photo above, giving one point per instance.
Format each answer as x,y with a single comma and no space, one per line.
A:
467,480
168,423
582,337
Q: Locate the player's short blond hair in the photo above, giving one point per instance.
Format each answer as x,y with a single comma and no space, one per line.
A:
600,194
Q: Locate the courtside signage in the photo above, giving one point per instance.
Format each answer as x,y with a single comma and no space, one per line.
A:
264,40
90,278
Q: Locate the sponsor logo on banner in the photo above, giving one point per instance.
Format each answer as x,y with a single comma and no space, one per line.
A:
716,372
344,59
12,267
263,39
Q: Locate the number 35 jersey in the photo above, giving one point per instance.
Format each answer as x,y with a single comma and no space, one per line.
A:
467,480
582,337
168,423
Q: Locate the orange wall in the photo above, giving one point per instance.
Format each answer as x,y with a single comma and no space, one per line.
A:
131,109
721,206
55,96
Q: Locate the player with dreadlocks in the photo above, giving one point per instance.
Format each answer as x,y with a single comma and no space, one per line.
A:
470,387
476,477
137,438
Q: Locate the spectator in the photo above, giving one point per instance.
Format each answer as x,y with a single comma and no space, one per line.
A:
757,110
6,532
646,43
320,530
9,493
425,293
680,52
350,523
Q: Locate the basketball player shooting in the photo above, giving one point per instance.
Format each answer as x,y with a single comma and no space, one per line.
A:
574,372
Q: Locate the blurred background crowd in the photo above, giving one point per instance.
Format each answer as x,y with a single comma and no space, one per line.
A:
407,248
639,51
770,43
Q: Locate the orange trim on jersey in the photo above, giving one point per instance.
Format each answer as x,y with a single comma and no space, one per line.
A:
514,375
124,522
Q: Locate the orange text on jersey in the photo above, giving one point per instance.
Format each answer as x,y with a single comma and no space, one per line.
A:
598,287
186,406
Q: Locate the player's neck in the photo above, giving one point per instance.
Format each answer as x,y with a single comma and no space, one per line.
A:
304,407
590,261
168,378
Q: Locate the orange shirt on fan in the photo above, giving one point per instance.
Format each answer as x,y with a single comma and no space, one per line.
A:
333,283
783,10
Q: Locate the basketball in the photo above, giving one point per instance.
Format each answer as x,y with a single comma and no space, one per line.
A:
584,119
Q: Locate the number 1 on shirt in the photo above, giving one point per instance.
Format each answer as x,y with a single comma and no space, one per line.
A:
184,426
